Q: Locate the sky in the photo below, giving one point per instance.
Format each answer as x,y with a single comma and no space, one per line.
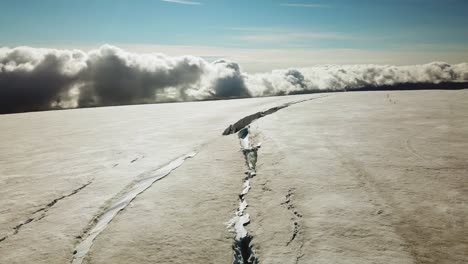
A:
261,35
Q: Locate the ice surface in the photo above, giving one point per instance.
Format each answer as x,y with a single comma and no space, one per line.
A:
46,155
369,177
374,177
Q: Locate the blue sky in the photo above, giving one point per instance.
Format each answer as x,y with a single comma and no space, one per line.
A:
427,29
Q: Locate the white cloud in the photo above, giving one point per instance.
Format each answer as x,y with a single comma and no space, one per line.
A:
340,77
183,2
41,79
37,79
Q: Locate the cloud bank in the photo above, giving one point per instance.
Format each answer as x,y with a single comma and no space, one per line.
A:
34,79
353,77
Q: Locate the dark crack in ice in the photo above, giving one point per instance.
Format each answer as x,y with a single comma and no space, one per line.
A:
42,212
244,122
244,252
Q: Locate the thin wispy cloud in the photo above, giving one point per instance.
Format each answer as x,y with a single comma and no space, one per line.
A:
254,29
283,35
290,37
183,2
305,5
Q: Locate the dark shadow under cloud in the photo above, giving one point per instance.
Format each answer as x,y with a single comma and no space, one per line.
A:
109,80
232,85
24,90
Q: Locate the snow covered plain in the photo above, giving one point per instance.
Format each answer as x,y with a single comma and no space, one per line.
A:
368,177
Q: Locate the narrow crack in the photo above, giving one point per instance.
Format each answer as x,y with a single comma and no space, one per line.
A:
136,159
53,202
296,219
119,203
18,227
41,212
244,122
